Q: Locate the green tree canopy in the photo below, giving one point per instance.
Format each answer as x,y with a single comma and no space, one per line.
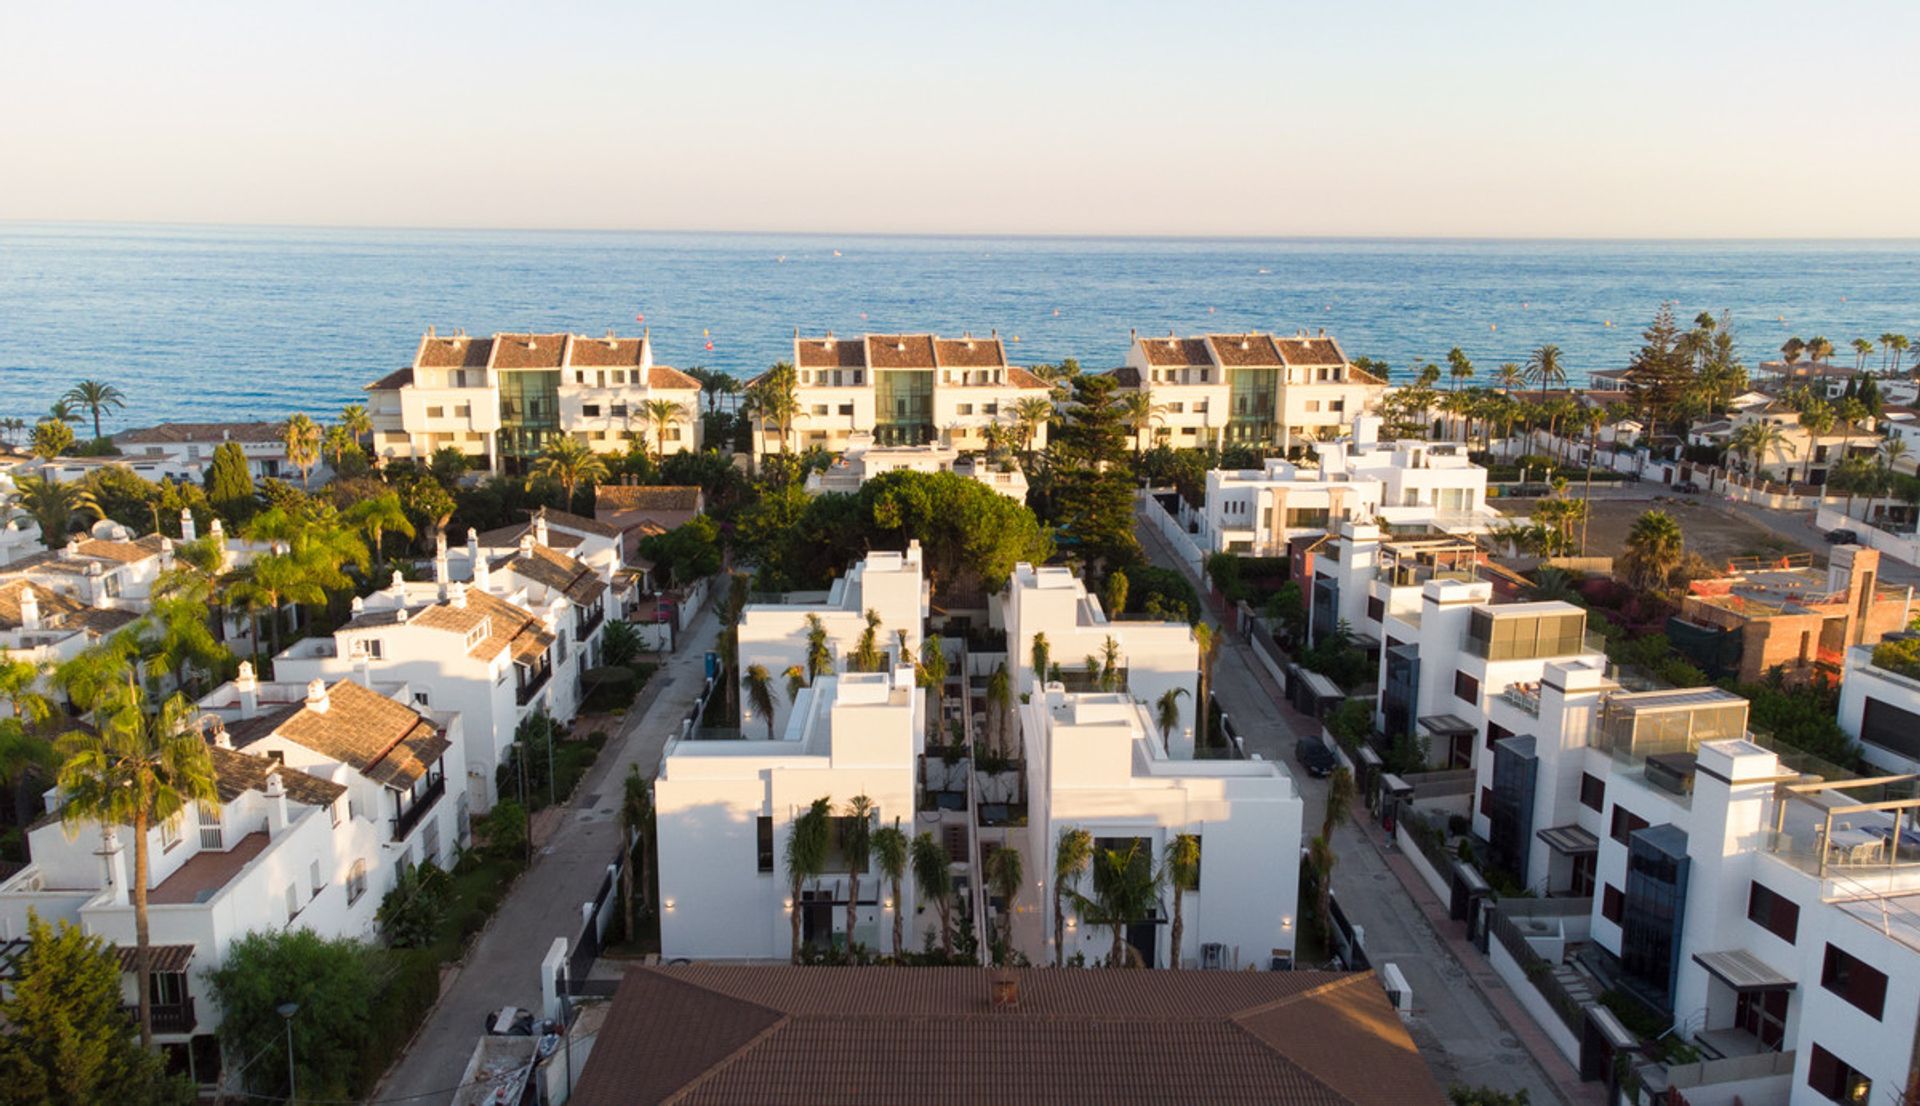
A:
685,553
331,980
230,484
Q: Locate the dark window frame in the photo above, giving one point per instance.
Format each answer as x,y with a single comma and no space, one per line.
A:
1466,687
763,842
1773,912
1860,983
1613,903
1593,792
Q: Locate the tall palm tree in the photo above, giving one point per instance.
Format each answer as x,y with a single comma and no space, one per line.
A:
1459,369
819,653
1140,412
268,584
931,673
663,413
728,645
1321,858
1654,548
375,517
636,823
1030,414
63,410
856,848
1886,351
53,506
933,877
1862,349
890,851
356,422
1042,654
777,400
1168,715
1126,890
1544,369
867,654
1182,864
1208,643
335,443
1792,350
1071,855
809,840
301,437
11,426
1004,878
140,769
1898,343
96,396
1819,349
1817,420
570,462
1510,376
759,686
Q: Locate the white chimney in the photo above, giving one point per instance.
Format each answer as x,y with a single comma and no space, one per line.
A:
357,607
71,551
113,857
479,563
221,738
540,527
440,574
526,544
187,530
317,696
29,608
216,531
97,586
457,595
249,689
363,671
397,585
276,803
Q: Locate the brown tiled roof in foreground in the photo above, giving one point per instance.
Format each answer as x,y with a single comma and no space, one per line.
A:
592,353
386,741
509,626
900,351
456,351
393,381
969,353
214,432
236,773
528,351
711,1034
553,569
1245,350
55,608
1021,378
1171,352
665,376
831,353
1311,351
646,497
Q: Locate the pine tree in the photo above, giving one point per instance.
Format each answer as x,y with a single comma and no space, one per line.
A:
230,484
68,1043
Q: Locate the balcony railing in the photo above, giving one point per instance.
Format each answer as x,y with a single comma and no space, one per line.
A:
531,684
168,1017
410,818
1525,697
586,622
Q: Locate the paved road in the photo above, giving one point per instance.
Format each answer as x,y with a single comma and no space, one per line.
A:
503,966
1460,1034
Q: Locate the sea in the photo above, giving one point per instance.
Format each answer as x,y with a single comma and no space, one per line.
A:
205,323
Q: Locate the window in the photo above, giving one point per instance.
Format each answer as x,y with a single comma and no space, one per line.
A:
1891,727
763,832
430,841
1376,609
819,409
1337,406
1625,822
1593,792
618,410
990,408
846,409
1497,733
1486,801
1855,980
421,698
590,410
293,903
313,877
1773,912
211,836
463,411
1836,1079
356,881
1612,904
436,412
1466,688
965,409
333,812
170,832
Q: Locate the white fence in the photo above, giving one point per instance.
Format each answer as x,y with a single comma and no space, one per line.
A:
1901,547
1191,556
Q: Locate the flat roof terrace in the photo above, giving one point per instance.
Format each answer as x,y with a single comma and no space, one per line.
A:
202,877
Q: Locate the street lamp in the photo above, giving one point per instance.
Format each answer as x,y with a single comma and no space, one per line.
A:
287,1011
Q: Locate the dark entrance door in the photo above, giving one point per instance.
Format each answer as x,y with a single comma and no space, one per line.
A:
816,919
1144,937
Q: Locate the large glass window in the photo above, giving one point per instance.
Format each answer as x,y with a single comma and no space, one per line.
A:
903,407
1772,912
1251,405
529,411
1855,980
1655,909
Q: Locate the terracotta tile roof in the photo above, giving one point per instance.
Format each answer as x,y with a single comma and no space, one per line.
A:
900,351
607,353
236,773
1126,376
203,432
55,609
125,552
245,731
393,381
666,377
772,1035
1245,350
160,958
554,569
528,351
510,535
645,497
1171,352
1311,351
1021,378
969,353
581,523
830,353
100,621
453,352
388,742
508,626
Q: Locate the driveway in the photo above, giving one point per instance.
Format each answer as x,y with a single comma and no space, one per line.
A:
503,966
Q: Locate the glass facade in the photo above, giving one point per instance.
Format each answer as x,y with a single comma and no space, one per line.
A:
1654,912
1516,638
1510,832
1252,405
1326,607
1634,727
1400,698
529,411
903,407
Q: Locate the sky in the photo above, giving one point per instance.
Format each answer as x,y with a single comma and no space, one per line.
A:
1391,118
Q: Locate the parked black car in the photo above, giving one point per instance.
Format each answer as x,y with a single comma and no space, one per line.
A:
1842,537
1314,756
1686,486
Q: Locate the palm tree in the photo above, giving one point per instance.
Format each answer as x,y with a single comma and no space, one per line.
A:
796,680
819,653
728,644
1459,369
1168,714
1004,877
356,422
662,413
999,701
1206,641
1819,349
1653,550
890,851
1321,859
95,396
1510,376
51,438
1140,412
335,443
1891,451
53,506
1898,343
63,411
867,655
931,673
1042,660
10,426
570,462
268,584
1071,855
933,876
1764,437
1183,875
1816,420
636,822
1590,418
301,436
375,517
1126,890
759,687
1339,800
856,847
1544,368
136,769
1886,352
1862,349
777,401
1030,414
808,841
1792,350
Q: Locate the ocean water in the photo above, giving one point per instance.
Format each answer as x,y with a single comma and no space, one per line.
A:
234,323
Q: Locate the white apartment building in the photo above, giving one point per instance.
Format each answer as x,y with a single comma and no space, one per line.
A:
1880,709
184,450
1096,761
863,460
892,585
500,399
904,389
494,648
725,808
1253,389
1787,460
1460,670
1156,657
1358,575
111,570
306,826
1768,911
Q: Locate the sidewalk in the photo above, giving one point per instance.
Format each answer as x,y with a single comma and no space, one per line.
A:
503,966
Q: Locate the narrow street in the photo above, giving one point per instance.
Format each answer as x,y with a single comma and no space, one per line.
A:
503,966
1462,1036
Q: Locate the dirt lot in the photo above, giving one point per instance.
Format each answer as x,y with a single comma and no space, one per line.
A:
1710,533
